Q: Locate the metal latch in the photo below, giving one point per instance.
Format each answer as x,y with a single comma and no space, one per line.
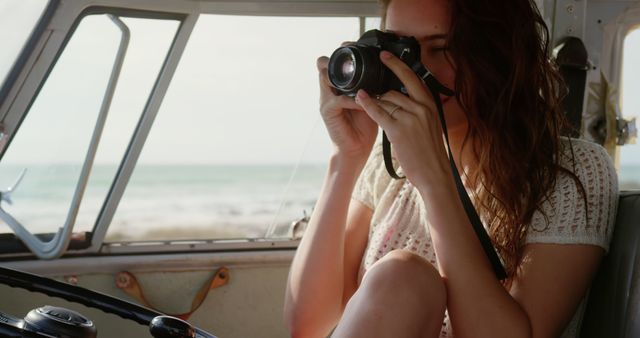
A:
626,131
298,227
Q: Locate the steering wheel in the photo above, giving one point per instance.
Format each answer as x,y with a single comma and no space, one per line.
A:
47,321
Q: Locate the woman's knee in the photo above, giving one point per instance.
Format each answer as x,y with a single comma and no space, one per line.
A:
402,272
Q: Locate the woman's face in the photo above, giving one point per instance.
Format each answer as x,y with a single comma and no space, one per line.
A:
428,21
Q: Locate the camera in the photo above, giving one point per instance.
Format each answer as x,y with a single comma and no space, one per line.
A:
358,66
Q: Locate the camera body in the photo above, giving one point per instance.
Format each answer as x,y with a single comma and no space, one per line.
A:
358,66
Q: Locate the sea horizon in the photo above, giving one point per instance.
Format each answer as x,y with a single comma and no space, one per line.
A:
178,200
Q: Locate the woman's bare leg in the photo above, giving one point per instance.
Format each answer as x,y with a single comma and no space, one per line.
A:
402,295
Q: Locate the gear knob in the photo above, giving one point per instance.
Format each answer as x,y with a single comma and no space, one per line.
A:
171,327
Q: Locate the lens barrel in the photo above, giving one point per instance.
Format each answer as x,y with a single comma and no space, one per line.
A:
355,67
342,68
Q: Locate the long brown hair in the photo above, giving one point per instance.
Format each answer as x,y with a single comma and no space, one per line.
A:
511,93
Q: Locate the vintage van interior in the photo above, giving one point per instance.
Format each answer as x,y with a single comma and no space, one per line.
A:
169,153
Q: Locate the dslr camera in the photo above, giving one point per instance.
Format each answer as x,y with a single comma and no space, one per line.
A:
358,66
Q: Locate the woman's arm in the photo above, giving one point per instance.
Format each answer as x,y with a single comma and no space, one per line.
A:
550,282
323,274
478,304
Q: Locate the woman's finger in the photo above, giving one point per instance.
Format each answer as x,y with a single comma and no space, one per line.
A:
326,89
412,83
347,102
328,94
390,107
407,104
374,110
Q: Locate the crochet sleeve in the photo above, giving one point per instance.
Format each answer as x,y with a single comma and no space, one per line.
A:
372,180
565,218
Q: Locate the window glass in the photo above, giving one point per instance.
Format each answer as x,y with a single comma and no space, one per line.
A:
17,20
630,100
148,47
52,142
371,23
238,146
53,139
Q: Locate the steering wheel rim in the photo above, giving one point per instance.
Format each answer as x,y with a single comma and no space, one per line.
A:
77,294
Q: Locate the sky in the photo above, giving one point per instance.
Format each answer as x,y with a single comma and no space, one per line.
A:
236,97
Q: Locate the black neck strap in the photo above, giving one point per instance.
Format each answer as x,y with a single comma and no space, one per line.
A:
436,88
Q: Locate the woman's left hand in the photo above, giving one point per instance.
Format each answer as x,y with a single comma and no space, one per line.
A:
412,126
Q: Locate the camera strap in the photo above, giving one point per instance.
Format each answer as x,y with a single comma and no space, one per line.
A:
436,88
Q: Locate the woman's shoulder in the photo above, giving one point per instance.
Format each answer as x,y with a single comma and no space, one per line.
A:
581,207
579,151
592,166
590,162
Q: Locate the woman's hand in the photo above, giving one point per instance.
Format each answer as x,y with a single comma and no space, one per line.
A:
412,126
352,131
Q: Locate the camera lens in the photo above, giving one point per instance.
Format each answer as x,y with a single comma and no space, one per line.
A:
356,67
343,68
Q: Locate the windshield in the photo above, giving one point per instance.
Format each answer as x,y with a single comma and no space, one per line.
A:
237,149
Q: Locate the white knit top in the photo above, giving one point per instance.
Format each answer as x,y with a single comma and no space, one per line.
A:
399,215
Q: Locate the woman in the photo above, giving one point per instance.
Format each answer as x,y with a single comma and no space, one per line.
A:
399,258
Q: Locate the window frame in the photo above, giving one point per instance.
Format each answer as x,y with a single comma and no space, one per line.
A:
28,48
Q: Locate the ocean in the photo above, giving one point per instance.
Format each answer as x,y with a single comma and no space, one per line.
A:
165,202
169,201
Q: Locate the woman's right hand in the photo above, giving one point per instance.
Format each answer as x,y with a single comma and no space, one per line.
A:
351,130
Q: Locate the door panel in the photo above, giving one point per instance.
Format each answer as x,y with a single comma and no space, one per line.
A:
249,305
